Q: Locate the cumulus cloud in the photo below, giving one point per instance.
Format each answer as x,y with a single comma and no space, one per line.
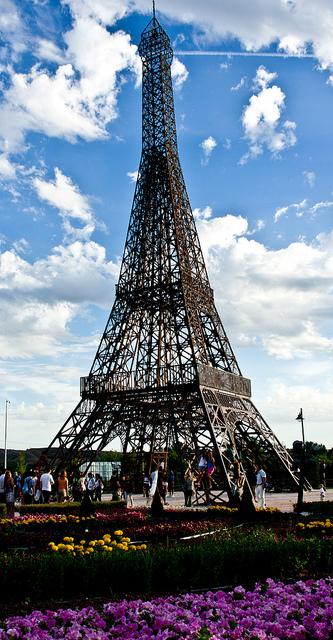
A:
279,299
261,119
208,145
179,73
295,27
43,297
66,197
79,98
203,214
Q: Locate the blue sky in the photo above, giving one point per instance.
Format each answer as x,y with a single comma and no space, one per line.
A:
255,139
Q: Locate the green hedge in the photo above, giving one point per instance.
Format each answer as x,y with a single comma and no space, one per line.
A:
67,508
319,507
238,559
3,510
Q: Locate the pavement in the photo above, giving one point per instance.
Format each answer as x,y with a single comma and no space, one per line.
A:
282,501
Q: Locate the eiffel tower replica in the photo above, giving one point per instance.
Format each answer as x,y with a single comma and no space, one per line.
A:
165,376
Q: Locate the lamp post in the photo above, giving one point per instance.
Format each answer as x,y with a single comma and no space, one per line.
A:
302,463
6,425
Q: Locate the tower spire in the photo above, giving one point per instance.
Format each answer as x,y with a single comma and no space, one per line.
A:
164,375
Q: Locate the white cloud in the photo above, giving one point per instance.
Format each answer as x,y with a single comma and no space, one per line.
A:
280,402
78,99
43,297
301,345
203,214
292,45
261,119
66,197
208,145
11,27
239,85
259,23
47,50
179,73
21,245
279,299
326,204
298,208
219,233
310,177
7,169
133,175
263,78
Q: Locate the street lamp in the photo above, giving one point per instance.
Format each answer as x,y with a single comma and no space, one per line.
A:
6,425
301,466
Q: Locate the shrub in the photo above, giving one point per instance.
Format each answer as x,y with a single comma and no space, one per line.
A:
324,507
69,507
3,510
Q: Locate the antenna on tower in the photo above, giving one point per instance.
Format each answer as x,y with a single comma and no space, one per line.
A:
154,9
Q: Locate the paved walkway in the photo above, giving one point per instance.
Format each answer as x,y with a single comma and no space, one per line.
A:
283,501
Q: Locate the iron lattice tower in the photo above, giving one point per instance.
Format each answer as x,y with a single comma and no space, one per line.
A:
165,374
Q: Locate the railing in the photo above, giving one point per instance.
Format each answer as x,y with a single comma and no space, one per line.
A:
92,386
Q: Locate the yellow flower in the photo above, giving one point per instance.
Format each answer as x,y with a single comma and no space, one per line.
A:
82,542
118,533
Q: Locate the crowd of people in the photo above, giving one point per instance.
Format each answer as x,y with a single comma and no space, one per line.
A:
36,486
158,484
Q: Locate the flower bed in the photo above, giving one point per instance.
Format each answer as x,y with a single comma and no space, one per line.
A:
229,558
106,544
315,526
36,530
274,611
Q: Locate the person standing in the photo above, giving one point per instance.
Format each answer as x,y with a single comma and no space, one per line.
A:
128,491
90,483
46,481
261,480
62,486
2,486
171,482
188,488
322,473
9,493
146,484
98,488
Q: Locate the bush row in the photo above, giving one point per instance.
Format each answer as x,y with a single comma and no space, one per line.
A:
324,508
66,508
241,558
